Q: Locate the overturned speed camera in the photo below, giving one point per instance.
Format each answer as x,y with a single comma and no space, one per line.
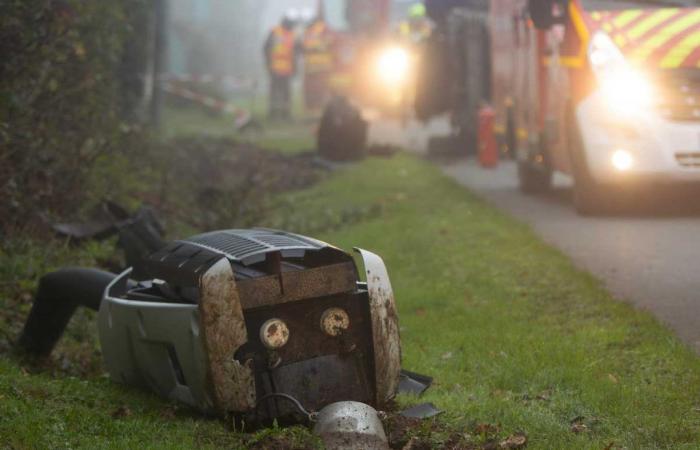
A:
233,316
242,321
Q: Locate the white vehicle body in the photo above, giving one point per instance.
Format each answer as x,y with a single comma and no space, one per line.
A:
609,93
661,150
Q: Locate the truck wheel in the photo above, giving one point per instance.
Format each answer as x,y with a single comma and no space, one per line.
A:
533,179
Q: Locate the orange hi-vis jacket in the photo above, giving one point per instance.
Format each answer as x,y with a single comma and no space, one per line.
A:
282,52
318,56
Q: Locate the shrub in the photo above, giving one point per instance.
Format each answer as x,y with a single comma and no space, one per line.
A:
66,88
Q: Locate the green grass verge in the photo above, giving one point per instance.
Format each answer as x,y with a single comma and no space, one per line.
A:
286,137
291,136
514,335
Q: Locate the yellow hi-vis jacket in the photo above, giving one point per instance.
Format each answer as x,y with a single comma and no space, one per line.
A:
317,47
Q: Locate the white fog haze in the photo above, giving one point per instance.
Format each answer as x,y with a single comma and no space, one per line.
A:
224,37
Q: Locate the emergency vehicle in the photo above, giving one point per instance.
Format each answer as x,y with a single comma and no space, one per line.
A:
607,91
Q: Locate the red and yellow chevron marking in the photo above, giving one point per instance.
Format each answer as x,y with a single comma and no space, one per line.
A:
664,37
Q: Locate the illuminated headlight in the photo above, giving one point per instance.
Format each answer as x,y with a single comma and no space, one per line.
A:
622,160
625,89
274,334
334,321
393,64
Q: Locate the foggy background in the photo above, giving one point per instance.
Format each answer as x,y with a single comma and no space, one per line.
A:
223,37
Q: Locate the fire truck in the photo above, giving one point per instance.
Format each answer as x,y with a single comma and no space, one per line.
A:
605,91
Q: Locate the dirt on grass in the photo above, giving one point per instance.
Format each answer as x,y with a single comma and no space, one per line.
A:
212,183
406,433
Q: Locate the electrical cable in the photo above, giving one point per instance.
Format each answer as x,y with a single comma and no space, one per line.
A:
297,404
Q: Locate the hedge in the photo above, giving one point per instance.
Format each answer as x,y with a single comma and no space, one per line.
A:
68,83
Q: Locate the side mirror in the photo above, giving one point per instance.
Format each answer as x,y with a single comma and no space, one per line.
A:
546,13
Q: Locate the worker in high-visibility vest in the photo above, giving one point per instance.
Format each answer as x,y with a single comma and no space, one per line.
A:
317,47
417,27
280,58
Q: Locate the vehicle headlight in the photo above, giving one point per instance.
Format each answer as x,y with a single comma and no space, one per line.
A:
622,160
625,89
393,64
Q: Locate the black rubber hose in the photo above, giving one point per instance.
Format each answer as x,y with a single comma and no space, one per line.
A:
56,299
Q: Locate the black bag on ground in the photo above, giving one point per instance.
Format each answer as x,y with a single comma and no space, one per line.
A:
342,134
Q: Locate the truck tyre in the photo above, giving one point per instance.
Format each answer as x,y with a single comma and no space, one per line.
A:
533,179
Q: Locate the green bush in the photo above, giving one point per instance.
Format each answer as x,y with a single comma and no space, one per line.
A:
65,88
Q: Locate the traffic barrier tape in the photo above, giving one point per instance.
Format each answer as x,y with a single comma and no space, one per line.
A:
228,80
241,116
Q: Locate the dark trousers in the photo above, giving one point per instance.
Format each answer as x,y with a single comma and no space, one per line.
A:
316,91
280,97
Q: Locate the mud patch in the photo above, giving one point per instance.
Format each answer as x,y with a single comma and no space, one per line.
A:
212,183
416,434
292,438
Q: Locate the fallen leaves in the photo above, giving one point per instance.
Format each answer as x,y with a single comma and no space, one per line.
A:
581,424
517,440
579,427
477,436
169,412
121,412
543,396
486,429
416,443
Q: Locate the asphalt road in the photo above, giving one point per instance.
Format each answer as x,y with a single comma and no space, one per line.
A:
649,257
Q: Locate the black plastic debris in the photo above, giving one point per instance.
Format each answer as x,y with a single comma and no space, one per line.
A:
342,133
421,411
140,233
414,383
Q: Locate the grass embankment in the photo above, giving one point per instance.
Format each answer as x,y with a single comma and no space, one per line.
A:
517,339
291,136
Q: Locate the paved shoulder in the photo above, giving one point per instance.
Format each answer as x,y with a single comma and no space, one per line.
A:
653,262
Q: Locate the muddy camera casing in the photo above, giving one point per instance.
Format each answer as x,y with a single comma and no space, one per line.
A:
230,317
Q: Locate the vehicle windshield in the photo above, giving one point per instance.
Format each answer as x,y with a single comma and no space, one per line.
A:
350,15
614,5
